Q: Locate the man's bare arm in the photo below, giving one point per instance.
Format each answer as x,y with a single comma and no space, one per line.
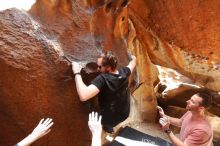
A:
174,121
164,122
132,63
85,92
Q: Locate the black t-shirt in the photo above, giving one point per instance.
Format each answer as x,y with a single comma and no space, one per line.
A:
114,96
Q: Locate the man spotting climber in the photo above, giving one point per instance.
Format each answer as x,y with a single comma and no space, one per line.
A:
195,128
112,89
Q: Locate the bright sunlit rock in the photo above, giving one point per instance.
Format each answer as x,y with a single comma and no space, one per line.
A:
20,4
173,80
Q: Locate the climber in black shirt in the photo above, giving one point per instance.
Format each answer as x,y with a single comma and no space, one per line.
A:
112,89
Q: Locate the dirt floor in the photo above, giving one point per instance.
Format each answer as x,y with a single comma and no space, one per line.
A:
153,129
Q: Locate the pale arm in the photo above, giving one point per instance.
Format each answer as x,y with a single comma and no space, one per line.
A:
41,130
85,92
27,140
174,121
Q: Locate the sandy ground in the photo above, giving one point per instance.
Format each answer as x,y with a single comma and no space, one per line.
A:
134,121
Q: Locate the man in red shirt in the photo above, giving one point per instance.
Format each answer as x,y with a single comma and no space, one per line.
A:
195,128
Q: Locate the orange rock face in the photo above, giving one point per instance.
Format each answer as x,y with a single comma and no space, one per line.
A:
179,35
191,25
84,28
36,80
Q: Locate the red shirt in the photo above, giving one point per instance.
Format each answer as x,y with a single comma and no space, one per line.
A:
196,132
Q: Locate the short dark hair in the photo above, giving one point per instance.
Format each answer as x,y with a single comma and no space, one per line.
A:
206,99
109,59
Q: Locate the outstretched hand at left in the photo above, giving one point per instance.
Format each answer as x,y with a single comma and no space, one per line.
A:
42,128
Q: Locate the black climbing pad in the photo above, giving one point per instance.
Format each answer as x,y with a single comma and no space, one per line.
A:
136,135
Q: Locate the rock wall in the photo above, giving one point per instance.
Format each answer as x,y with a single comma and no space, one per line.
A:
145,77
88,34
180,35
36,82
36,78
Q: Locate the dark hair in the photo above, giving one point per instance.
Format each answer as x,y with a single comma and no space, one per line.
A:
206,99
109,59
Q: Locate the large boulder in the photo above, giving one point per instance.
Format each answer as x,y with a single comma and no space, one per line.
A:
36,82
36,78
91,26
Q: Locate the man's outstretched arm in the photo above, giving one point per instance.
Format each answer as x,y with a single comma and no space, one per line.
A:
85,92
165,126
132,63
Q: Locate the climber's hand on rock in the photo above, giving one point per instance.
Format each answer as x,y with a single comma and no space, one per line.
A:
76,67
133,57
130,56
161,112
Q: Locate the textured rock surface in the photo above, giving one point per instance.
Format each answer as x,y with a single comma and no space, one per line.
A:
177,34
144,80
93,35
36,80
36,83
84,28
